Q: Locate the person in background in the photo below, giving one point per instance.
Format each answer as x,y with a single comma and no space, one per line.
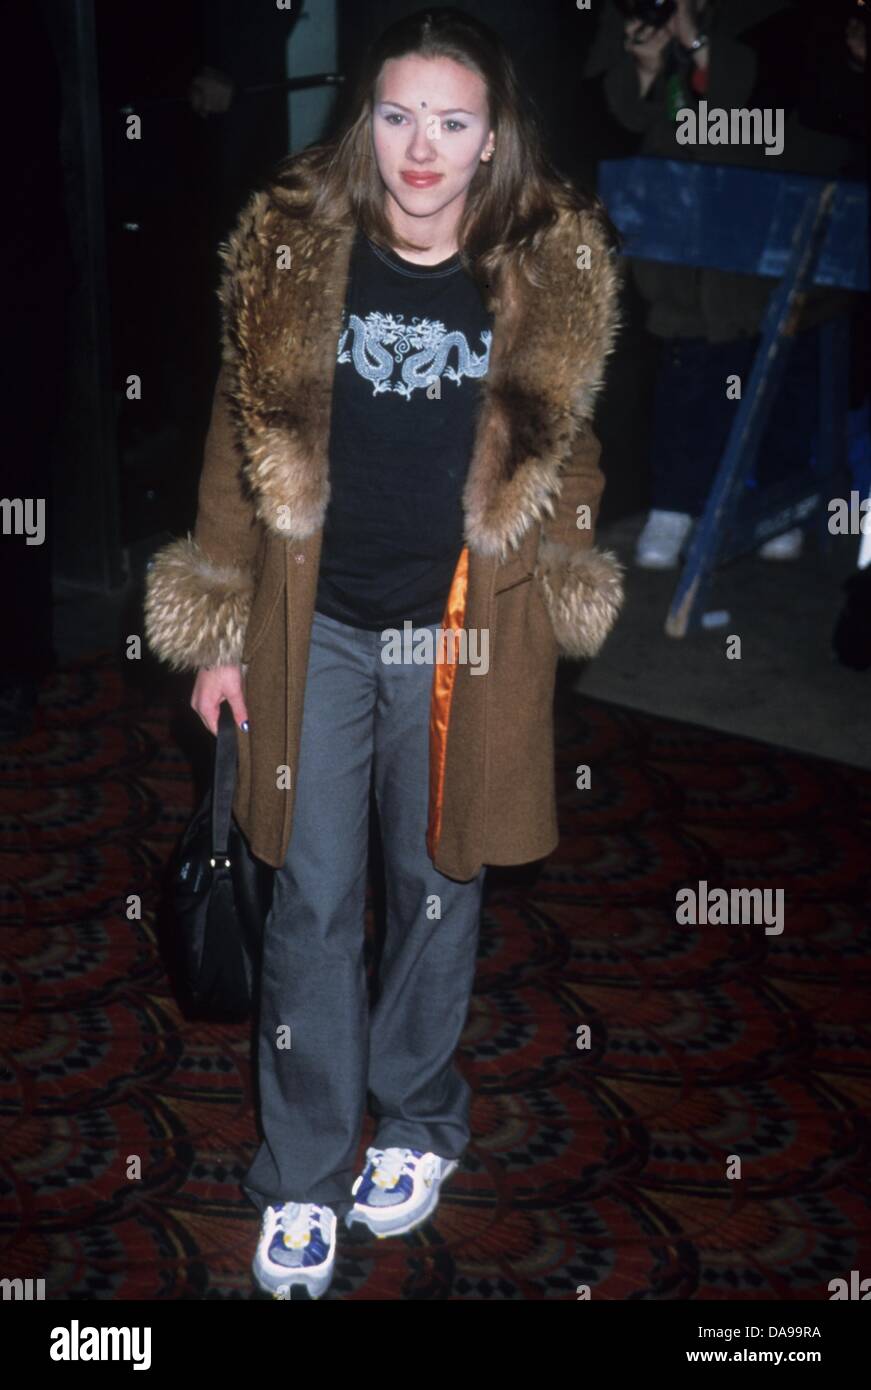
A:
657,58
238,92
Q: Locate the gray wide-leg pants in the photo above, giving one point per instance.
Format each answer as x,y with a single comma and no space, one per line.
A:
360,715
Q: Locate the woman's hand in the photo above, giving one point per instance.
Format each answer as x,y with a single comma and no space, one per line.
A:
647,47
686,29
214,684
684,24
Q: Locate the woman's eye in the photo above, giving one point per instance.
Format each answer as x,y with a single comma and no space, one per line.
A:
451,126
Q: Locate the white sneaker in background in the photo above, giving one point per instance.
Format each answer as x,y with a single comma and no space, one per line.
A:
787,546
659,545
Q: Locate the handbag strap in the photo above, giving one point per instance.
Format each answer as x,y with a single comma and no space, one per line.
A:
224,784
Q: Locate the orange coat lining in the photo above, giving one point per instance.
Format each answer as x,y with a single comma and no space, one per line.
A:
444,678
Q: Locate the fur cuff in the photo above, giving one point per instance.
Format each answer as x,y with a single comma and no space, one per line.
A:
195,612
583,592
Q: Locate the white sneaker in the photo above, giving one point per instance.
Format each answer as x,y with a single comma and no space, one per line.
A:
660,543
398,1190
787,546
297,1245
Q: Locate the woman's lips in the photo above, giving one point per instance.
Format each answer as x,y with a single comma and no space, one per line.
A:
420,180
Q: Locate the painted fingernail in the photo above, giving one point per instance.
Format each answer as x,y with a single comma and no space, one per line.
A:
244,726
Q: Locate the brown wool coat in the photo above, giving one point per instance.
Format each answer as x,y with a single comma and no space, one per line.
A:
242,588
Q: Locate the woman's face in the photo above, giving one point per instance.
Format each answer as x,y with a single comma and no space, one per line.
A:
430,126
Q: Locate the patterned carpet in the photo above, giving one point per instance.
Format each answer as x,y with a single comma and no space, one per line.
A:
606,1166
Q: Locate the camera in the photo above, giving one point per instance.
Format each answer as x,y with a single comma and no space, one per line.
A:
651,13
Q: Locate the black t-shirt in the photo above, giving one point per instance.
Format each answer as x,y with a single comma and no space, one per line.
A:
412,354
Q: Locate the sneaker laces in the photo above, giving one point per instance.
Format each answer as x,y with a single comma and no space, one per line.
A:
389,1165
296,1220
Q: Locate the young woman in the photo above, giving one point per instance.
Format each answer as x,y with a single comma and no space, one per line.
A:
394,543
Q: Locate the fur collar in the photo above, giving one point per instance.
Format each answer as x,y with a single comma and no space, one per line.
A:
281,328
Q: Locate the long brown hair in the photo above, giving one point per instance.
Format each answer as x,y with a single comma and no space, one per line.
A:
512,200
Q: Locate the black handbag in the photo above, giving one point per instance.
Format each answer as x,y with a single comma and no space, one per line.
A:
221,895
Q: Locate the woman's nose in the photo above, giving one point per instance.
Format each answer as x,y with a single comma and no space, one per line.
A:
421,147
